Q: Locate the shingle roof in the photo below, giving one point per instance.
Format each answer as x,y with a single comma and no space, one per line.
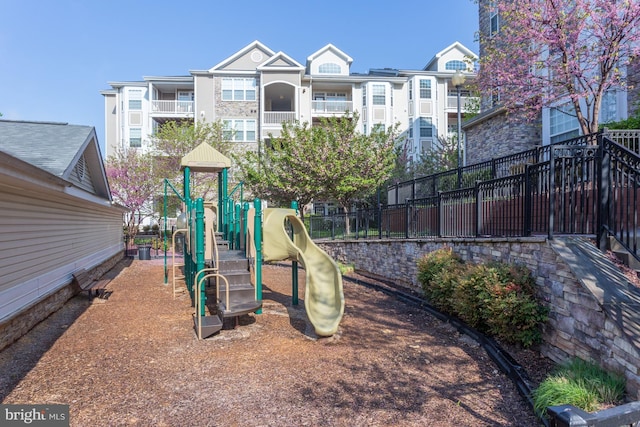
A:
47,145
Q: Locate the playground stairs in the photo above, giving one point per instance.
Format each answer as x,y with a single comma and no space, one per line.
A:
623,254
234,266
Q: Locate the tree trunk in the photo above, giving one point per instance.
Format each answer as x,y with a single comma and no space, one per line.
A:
347,226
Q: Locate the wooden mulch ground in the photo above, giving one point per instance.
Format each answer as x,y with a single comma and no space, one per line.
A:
133,359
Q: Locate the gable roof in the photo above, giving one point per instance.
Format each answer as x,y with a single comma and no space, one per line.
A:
256,45
280,61
331,48
455,45
68,152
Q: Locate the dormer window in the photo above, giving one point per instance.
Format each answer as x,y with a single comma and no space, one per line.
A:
455,65
329,68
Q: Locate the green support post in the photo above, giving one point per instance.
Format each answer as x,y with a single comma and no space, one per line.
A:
236,226
164,234
257,222
245,210
294,268
188,261
200,250
221,196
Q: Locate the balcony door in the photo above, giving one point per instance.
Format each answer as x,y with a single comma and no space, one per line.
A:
185,101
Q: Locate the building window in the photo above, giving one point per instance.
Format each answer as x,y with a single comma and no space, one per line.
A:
135,137
410,90
135,99
378,127
455,65
609,108
364,95
238,89
239,130
410,128
329,68
426,127
425,89
379,95
563,124
494,20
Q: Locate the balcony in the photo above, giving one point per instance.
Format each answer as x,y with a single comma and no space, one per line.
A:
172,107
331,107
276,118
465,102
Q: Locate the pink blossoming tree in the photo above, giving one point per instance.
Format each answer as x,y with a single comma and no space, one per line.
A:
132,183
554,52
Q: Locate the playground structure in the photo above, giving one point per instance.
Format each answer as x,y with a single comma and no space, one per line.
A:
225,245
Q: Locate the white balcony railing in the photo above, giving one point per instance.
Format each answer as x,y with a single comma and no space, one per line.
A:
278,117
331,107
452,102
172,107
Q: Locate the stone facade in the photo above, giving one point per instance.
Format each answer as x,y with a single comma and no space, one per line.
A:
21,323
577,326
492,135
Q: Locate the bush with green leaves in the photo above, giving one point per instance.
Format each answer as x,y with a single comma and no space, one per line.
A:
496,298
438,273
582,384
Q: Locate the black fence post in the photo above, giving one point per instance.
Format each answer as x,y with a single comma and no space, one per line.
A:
476,194
526,223
604,205
552,191
333,226
379,212
439,214
407,212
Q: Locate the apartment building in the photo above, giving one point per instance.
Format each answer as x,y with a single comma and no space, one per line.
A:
490,134
255,90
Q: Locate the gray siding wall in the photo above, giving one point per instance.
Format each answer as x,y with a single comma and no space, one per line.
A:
45,236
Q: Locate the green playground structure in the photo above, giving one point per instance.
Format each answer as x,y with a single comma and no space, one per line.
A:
226,244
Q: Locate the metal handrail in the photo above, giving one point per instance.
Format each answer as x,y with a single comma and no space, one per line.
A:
198,301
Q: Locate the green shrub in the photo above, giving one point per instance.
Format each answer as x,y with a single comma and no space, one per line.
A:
438,273
471,295
497,298
515,317
581,384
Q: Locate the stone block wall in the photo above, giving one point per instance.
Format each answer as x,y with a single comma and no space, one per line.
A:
492,136
21,323
577,325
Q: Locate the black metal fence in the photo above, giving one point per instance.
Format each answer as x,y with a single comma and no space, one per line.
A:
586,185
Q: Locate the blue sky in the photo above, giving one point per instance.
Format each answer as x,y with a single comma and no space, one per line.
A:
56,56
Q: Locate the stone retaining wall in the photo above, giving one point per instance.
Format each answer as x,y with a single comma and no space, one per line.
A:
22,322
577,326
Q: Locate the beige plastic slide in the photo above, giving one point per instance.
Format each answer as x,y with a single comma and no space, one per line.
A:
324,298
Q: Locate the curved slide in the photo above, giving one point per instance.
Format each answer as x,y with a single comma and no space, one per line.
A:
324,298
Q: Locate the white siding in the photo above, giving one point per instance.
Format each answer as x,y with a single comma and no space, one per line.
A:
45,237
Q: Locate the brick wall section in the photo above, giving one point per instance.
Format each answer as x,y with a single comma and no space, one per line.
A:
577,326
15,327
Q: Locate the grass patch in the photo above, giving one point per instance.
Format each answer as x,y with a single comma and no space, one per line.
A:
345,268
581,384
